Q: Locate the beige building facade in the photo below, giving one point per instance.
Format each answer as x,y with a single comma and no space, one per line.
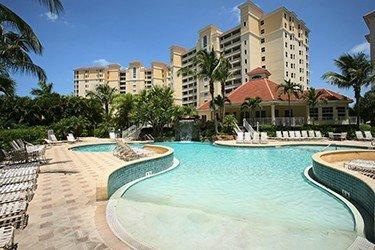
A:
132,79
370,21
277,41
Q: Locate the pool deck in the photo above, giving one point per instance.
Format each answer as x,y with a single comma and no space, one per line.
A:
64,213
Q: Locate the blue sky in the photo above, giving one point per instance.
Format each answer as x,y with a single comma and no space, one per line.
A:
100,31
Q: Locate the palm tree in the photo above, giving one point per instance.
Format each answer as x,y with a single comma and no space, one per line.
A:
356,72
7,84
312,98
105,95
43,90
207,64
220,101
290,89
222,76
17,40
251,104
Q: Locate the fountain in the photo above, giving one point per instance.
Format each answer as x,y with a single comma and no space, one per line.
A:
187,130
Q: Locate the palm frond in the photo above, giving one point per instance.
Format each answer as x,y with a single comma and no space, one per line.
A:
54,6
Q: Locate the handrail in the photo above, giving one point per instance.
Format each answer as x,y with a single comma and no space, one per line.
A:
237,128
328,146
248,127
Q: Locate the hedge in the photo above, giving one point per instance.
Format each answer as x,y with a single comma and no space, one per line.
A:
32,135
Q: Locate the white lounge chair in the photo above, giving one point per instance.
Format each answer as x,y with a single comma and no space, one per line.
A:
52,139
361,165
298,135
311,134
239,138
71,138
279,136
263,138
112,135
330,136
7,238
247,137
255,138
343,136
318,135
285,135
292,135
368,135
304,135
359,136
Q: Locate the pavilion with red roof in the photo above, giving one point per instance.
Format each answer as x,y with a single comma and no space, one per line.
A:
274,108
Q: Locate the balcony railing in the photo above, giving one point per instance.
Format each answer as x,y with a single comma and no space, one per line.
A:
279,121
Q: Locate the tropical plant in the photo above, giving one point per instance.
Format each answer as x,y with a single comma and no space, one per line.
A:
290,89
79,126
367,106
105,95
222,76
7,84
123,105
207,64
251,104
43,90
155,107
356,71
312,98
219,102
229,124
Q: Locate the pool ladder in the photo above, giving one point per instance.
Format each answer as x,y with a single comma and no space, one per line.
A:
329,146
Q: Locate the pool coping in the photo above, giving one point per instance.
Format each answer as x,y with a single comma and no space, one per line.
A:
112,220
358,219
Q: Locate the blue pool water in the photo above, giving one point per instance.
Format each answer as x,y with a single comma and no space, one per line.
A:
95,148
236,198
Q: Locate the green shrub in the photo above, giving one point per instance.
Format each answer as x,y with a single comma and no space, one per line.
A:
365,127
102,131
79,126
229,124
270,129
32,135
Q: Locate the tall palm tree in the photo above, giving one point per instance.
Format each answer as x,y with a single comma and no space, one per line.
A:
251,104
105,95
222,76
219,102
312,98
357,71
290,89
7,84
207,64
17,40
43,90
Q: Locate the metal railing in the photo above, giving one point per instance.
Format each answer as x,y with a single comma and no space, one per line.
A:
247,126
279,121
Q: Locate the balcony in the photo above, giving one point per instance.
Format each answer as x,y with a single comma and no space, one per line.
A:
279,121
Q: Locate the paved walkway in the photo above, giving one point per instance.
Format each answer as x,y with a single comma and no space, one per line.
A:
64,213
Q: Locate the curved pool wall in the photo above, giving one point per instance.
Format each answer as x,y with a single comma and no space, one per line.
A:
350,186
140,168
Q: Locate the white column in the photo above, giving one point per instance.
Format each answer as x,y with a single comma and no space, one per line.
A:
273,114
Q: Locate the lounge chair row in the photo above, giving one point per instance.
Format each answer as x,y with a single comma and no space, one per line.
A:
366,167
299,135
17,185
368,136
254,138
52,140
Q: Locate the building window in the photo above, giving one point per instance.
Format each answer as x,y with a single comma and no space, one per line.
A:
285,15
314,113
287,73
286,64
263,49
245,51
244,24
262,31
134,72
286,35
286,54
205,41
262,40
244,42
327,113
286,45
262,22
341,111
245,61
263,58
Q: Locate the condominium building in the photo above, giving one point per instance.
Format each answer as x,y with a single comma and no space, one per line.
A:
132,79
276,41
370,21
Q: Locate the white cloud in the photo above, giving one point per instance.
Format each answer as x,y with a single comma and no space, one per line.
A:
101,62
51,16
362,47
235,13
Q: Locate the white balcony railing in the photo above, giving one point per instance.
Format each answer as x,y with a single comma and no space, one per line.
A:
279,121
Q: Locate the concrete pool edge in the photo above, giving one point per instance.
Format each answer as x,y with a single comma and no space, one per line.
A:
358,220
111,215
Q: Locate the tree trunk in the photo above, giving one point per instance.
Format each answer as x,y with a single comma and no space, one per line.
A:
357,96
223,95
213,105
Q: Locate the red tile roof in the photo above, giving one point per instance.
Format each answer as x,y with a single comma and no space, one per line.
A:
268,91
259,71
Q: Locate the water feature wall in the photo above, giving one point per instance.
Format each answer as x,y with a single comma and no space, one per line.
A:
187,130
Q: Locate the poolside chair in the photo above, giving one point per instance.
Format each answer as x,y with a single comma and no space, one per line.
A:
34,152
18,222
285,135
112,135
16,208
361,165
292,135
247,137
70,138
14,156
318,135
17,187
126,153
52,140
368,135
298,135
7,238
343,136
255,138
304,135
16,196
330,136
239,138
279,136
263,138
311,134
359,136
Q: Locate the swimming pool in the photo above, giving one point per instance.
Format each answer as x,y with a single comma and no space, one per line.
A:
236,198
97,148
